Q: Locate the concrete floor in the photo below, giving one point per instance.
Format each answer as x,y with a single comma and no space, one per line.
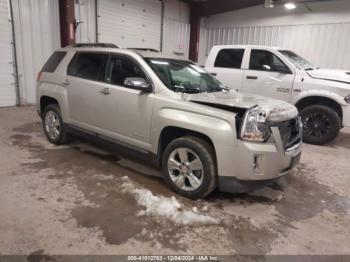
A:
68,200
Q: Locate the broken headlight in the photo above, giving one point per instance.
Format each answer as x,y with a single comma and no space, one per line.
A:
254,127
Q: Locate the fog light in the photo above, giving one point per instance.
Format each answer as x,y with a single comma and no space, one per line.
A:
257,164
347,99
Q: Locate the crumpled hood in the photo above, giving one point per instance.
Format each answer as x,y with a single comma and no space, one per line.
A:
276,110
331,74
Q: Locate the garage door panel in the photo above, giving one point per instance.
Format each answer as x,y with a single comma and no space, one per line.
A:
7,88
130,23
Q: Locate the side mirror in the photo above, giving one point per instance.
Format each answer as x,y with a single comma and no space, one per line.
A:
138,83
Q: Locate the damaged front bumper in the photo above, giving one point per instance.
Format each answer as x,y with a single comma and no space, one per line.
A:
260,164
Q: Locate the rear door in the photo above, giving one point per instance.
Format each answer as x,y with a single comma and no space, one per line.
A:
227,67
85,75
268,75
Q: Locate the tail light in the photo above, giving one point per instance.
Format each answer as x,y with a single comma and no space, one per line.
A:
39,76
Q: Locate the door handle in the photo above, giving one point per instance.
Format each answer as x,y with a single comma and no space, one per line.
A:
252,77
65,82
105,91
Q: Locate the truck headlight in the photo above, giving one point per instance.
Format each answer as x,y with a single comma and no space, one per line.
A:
347,99
254,127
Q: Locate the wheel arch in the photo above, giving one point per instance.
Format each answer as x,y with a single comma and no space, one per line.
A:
47,100
320,100
169,133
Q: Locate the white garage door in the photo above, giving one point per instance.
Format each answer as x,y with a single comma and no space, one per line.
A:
129,23
7,87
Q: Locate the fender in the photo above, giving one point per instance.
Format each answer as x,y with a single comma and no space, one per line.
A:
60,94
219,130
320,93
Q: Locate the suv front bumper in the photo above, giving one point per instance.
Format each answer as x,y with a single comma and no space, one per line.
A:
259,164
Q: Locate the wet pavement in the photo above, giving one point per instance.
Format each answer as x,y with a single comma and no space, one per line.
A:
70,200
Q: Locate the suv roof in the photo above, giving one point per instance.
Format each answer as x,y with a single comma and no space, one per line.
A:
106,47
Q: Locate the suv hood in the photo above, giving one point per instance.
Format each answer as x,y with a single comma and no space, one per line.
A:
331,74
276,110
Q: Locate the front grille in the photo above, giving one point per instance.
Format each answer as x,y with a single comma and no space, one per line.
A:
290,131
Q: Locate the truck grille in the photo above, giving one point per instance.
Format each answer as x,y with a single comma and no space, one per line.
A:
291,132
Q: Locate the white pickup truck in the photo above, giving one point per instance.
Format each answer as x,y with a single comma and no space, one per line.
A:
322,96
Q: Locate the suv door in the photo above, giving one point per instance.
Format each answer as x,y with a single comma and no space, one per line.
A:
268,75
126,113
85,73
227,67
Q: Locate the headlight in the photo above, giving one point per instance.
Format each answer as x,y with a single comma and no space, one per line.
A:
254,126
347,99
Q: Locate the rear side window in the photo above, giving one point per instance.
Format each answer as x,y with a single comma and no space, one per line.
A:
91,66
229,58
53,62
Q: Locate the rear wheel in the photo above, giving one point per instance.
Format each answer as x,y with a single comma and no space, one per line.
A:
54,127
189,167
321,124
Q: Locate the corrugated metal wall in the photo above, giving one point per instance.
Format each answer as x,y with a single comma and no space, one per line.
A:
7,87
37,36
325,45
176,37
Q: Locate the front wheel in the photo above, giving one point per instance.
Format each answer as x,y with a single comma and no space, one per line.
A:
189,167
321,124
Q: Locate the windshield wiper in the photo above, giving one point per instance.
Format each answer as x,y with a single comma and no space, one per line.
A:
218,89
182,89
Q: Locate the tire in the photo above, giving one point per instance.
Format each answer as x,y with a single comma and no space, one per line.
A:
321,124
55,130
204,169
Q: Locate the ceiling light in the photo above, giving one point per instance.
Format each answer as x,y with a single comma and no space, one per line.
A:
290,5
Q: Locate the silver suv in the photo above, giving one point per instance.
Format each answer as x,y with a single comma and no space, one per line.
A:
171,111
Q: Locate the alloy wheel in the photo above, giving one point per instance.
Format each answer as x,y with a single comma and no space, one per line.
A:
185,169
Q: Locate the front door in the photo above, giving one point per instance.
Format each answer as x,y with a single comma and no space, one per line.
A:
126,113
268,75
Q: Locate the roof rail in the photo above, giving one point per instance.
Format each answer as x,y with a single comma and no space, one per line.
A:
106,45
143,49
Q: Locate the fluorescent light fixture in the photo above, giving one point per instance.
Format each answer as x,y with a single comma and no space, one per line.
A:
290,5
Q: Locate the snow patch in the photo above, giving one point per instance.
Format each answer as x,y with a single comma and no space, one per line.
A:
165,207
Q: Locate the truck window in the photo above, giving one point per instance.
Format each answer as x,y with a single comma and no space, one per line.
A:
53,62
91,66
229,58
263,60
120,68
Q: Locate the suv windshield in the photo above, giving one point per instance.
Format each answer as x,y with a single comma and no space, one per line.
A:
183,76
298,61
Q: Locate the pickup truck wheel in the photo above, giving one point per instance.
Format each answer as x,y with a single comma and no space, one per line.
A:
54,127
321,124
189,167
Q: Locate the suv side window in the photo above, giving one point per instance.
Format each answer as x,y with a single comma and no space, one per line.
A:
53,62
263,60
121,67
91,66
229,58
